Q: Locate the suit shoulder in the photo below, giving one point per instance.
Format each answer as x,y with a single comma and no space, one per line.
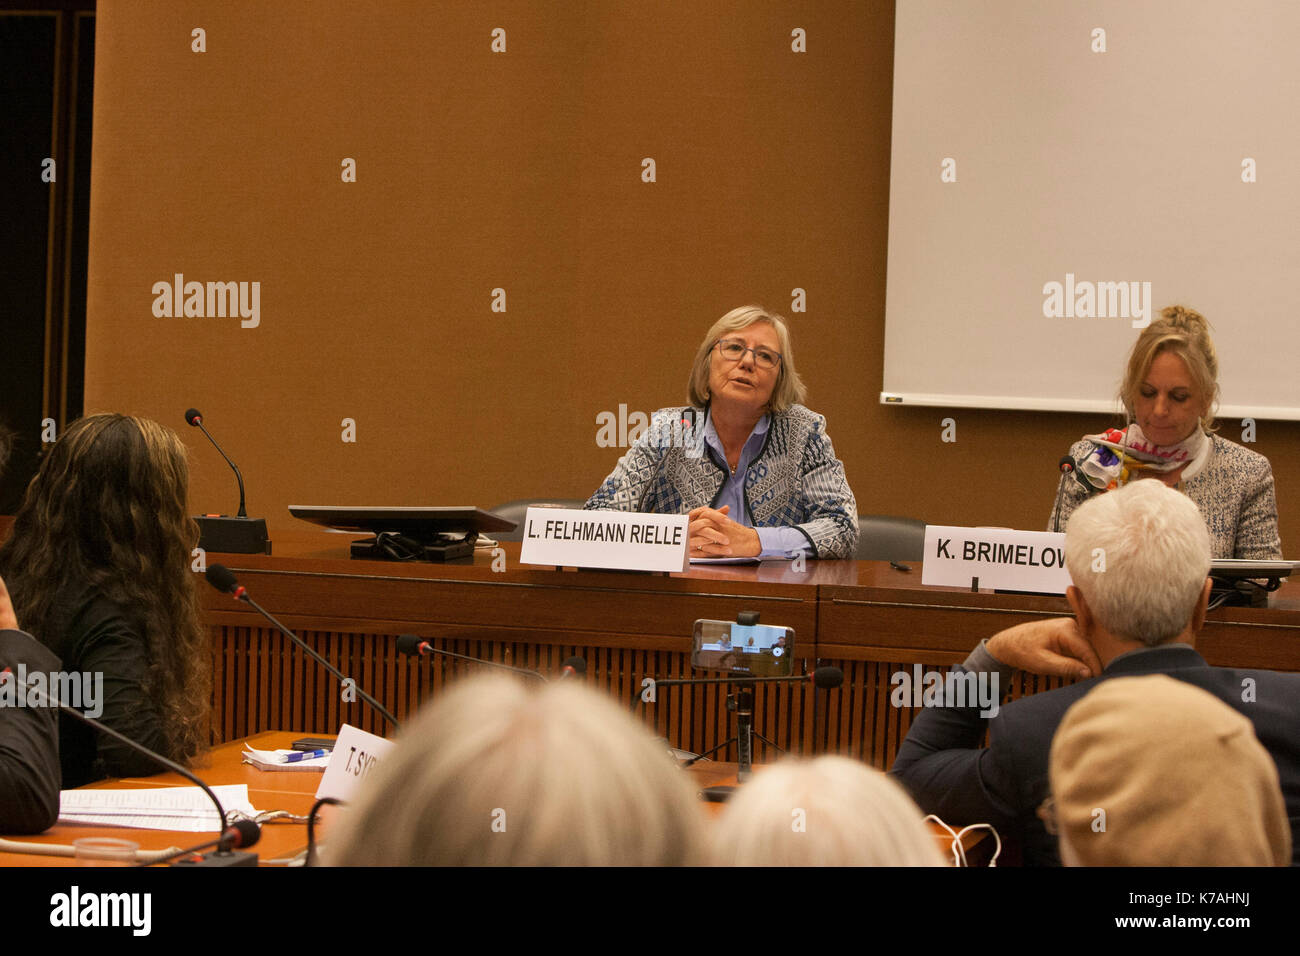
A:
801,418
1231,455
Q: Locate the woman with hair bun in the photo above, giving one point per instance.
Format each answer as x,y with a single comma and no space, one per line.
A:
99,568
1170,392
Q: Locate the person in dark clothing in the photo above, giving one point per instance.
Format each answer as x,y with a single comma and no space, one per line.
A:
99,567
29,753
1138,557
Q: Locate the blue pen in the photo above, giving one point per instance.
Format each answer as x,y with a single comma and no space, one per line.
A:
302,755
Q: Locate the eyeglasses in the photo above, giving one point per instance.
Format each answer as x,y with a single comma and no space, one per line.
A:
734,350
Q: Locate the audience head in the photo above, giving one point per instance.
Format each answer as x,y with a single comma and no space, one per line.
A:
1185,335
1153,771
1139,555
500,772
789,388
107,510
831,811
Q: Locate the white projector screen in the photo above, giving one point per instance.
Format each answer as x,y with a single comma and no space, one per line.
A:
1112,147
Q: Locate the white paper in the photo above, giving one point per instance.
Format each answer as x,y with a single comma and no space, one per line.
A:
272,760
153,808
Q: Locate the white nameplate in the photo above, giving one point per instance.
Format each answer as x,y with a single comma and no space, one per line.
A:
356,756
1000,558
561,537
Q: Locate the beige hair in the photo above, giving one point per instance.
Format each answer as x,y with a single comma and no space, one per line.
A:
831,811
496,772
1139,555
1184,333
789,388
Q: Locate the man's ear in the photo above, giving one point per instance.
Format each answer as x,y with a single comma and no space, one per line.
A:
1082,613
1202,607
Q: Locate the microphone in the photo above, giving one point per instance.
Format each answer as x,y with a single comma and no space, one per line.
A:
574,667
239,835
415,646
247,832
240,534
194,418
224,580
1067,465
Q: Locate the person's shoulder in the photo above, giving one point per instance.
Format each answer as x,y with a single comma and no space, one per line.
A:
800,418
92,614
1230,454
1031,715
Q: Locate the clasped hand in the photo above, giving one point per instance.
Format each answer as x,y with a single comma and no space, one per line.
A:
713,535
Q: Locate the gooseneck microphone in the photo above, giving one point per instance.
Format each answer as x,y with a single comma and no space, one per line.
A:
243,833
224,580
414,646
234,535
194,418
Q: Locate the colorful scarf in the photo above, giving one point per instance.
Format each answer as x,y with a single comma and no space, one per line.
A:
1119,455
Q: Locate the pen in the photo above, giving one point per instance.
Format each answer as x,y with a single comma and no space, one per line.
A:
302,755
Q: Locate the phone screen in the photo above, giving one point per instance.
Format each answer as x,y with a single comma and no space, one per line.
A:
758,650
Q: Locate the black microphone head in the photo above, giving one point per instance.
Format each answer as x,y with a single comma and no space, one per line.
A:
409,644
1066,463
240,835
221,578
828,677
193,416
579,664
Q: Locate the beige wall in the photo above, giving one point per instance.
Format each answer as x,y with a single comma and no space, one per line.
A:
519,170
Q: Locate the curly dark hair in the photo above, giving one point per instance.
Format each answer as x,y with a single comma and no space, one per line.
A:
108,508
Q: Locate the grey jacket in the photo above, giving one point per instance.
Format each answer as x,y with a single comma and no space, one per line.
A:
795,481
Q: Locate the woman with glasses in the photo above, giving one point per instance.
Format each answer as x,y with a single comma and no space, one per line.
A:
752,467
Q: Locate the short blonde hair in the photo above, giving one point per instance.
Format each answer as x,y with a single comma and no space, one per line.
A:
498,773
831,811
789,388
1185,333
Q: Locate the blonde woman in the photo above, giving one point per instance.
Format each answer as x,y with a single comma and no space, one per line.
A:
830,811
498,773
1170,393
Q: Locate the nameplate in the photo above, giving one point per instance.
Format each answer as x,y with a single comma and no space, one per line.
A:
1001,559
619,540
356,756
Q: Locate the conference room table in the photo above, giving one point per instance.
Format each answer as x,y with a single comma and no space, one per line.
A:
870,619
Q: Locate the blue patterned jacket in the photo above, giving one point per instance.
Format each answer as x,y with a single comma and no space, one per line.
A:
795,481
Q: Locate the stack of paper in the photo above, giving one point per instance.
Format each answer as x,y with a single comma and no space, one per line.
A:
274,760
154,808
